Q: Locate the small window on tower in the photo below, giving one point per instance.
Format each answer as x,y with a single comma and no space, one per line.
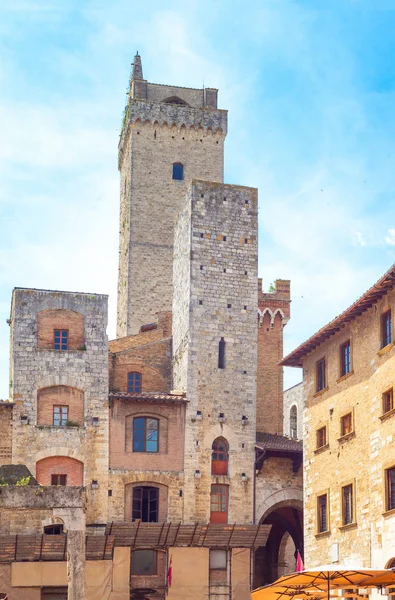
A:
60,339
221,354
178,171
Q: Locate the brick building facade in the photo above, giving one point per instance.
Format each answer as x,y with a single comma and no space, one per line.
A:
175,428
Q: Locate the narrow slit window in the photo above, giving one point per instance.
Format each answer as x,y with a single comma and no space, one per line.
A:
345,358
321,379
347,504
390,488
386,329
293,422
178,171
322,513
221,354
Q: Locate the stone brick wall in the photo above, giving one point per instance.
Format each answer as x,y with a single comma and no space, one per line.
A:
273,314
34,369
60,318
60,465
154,137
5,432
152,360
294,397
171,436
360,458
120,479
60,395
215,296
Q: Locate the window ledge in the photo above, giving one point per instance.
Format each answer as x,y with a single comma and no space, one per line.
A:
346,376
348,526
389,513
323,534
387,415
321,449
321,392
346,437
386,349
61,427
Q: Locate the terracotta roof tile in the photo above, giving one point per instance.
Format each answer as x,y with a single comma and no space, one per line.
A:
278,443
149,396
379,289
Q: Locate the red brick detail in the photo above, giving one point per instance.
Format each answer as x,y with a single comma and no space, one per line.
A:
163,499
48,320
274,312
60,465
62,395
171,436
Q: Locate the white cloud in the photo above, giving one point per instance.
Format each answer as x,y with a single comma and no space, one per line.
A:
390,238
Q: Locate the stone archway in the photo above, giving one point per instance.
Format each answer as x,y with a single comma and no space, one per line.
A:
278,557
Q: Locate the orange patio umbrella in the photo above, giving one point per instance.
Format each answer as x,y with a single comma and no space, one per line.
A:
322,579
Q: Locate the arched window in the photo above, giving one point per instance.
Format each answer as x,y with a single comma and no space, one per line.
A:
134,381
178,171
220,457
145,434
293,422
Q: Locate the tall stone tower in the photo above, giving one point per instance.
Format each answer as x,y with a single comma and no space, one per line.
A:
215,346
170,135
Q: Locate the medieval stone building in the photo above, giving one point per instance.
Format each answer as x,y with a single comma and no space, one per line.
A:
175,428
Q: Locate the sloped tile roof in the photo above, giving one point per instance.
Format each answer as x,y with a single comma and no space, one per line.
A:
149,396
277,443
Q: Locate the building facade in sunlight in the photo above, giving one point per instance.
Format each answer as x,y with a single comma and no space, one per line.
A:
349,446
175,428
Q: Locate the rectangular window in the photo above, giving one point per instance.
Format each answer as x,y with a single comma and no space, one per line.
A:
145,504
144,562
347,504
218,559
321,437
219,504
134,382
60,339
321,380
322,513
145,434
346,424
386,329
345,358
58,479
388,400
390,488
60,415
221,354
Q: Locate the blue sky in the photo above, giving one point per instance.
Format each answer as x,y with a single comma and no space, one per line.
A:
310,88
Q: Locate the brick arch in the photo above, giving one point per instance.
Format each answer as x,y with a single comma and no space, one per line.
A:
286,497
60,395
74,469
152,379
60,318
59,451
163,497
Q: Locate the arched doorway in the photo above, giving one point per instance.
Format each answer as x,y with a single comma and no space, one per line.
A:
278,557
